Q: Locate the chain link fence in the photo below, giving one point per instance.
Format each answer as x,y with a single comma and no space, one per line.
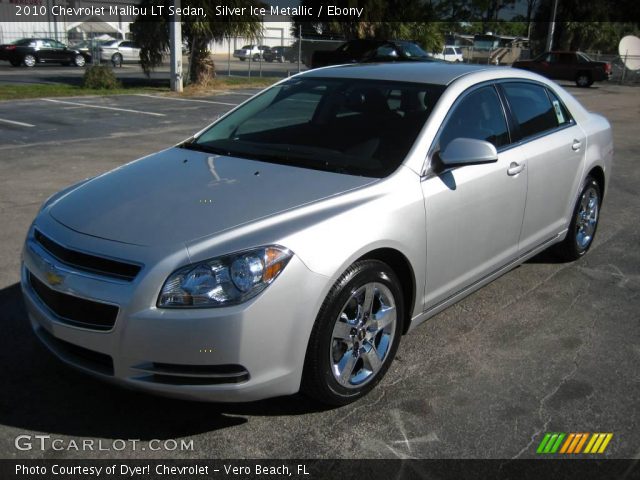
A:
267,55
284,54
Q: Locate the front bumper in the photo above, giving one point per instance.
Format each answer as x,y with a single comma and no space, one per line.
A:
239,353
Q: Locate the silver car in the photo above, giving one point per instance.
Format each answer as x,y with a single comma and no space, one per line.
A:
291,244
119,52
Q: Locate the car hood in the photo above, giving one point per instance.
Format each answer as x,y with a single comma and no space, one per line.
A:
178,195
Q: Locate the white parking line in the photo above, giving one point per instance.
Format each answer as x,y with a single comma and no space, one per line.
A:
105,108
186,99
13,122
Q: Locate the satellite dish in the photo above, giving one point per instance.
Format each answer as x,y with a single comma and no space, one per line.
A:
629,50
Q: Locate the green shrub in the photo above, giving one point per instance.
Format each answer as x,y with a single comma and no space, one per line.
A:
100,77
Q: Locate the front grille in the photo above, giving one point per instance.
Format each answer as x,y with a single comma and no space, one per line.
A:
73,310
175,374
86,262
76,355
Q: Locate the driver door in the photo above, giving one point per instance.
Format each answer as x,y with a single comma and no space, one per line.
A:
473,213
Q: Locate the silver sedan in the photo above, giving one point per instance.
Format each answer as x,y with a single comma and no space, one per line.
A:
291,244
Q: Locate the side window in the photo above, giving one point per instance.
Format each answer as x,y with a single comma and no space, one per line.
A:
449,51
562,114
386,51
479,116
567,58
531,107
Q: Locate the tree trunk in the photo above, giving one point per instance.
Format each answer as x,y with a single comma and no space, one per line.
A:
202,68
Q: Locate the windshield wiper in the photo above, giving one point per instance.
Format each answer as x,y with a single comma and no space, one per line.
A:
198,147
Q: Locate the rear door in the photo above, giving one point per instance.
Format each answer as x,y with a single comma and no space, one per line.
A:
554,147
474,212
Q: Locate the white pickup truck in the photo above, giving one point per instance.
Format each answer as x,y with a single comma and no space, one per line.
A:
449,53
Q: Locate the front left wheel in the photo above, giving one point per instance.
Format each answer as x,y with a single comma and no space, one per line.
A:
584,80
356,334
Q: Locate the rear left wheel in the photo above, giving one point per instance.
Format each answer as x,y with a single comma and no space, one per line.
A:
29,60
584,222
356,334
79,61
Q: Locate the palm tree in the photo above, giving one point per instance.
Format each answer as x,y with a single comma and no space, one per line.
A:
152,33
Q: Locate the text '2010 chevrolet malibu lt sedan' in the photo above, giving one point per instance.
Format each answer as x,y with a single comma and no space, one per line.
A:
292,243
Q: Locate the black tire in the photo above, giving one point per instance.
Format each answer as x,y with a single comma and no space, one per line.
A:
29,60
116,59
576,243
256,58
319,379
242,59
584,80
79,61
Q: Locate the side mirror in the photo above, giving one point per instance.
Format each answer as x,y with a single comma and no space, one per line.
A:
468,151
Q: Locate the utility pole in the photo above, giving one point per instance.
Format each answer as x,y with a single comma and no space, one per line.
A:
552,26
175,45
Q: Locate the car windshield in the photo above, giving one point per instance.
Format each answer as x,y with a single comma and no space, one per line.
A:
410,49
351,126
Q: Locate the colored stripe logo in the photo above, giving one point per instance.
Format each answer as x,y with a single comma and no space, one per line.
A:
573,443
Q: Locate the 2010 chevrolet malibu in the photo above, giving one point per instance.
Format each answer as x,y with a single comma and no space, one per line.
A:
291,244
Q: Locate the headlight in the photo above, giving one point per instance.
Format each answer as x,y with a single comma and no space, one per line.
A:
224,280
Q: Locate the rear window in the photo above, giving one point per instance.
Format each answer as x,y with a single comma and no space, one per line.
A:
531,107
23,42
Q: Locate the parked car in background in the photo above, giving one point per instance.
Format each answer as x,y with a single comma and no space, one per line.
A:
280,54
370,50
89,47
343,207
254,52
449,53
575,66
119,52
31,51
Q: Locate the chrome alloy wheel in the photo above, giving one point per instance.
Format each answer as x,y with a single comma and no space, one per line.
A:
587,217
362,335
29,60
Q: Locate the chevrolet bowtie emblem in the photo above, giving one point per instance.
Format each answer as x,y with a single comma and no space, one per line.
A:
54,279
52,276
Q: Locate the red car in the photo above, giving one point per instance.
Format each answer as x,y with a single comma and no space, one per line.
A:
574,66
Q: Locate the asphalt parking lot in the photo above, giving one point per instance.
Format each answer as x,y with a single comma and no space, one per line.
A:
548,347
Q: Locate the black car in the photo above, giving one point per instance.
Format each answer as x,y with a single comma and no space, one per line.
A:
370,50
280,54
29,51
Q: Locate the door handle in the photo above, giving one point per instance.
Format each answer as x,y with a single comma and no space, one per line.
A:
576,145
515,168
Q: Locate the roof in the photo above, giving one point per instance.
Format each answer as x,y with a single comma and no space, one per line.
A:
435,73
